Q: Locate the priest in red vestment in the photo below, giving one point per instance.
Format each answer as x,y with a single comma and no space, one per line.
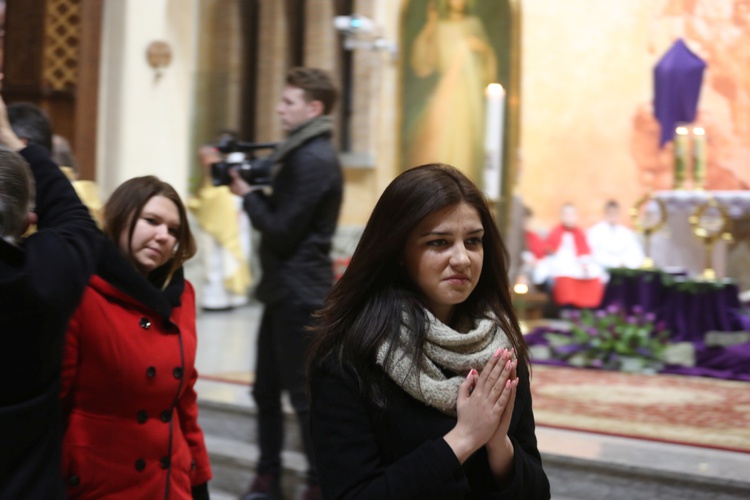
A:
569,265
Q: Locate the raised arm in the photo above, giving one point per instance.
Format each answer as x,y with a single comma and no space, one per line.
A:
66,231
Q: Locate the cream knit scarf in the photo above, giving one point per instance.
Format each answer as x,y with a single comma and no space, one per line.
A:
445,348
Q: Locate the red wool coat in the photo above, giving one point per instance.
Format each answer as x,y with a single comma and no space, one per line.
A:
127,388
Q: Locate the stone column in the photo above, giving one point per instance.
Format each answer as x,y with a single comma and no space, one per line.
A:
321,40
273,62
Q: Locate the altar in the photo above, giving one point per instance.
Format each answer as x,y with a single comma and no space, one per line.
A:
675,246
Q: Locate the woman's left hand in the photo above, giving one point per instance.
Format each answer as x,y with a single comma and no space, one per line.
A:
499,447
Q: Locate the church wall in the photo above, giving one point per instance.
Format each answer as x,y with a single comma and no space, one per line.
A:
585,70
372,164
586,81
588,132
144,121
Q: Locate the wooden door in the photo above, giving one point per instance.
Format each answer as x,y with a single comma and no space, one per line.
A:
51,59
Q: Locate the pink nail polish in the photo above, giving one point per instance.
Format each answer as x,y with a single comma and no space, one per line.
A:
507,384
497,353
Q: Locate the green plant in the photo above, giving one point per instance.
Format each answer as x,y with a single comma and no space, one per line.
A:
612,339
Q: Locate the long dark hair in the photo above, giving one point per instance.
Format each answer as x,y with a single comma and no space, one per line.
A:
125,205
374,296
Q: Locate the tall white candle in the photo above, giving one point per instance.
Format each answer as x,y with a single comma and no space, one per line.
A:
493,140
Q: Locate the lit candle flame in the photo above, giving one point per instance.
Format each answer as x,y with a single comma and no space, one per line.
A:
495,89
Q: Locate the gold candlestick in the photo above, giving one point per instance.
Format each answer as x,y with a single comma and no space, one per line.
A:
699,157
680,156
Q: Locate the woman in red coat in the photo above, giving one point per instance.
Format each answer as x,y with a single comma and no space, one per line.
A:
128,372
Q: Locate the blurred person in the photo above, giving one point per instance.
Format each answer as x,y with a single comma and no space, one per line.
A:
296,217
225,240
569,268
33,126
514,237
534,243
416,388
42,278
62,153
128,371
612,244
525,246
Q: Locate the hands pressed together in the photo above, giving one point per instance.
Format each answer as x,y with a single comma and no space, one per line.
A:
485,407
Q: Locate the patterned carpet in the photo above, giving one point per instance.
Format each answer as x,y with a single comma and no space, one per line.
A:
677,409
671,408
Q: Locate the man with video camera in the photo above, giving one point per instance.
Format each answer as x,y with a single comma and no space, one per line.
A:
296,216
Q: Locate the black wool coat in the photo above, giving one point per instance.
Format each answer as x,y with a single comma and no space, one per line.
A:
297,222
363,452
41,282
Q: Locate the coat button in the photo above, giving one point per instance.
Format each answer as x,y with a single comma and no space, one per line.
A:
164,462
151,372
142,416
192,465
74,480
166,416
140,464
177,372
145,323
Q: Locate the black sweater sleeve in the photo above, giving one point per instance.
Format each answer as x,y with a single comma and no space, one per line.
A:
62,254
285,217
349,462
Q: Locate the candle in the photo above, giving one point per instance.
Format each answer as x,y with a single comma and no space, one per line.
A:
493,140
680,156
699,157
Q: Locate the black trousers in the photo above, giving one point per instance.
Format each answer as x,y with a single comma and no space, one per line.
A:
281,360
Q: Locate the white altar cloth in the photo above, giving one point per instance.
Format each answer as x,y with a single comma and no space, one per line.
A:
675,245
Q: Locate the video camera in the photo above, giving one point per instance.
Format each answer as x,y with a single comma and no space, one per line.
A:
254,171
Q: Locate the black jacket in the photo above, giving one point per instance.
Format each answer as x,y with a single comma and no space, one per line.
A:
297,222
363,452
40,285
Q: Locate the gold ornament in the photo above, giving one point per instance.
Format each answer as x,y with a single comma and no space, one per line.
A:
711,222
645,223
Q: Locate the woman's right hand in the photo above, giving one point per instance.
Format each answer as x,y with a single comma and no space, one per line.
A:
481,402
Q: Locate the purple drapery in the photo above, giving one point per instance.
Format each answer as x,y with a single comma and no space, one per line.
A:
677,84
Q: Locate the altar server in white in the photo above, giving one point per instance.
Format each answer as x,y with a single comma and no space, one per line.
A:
612,244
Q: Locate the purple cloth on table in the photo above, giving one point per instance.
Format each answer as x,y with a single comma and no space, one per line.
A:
688,315
732,362
644,290
677,84
744,321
